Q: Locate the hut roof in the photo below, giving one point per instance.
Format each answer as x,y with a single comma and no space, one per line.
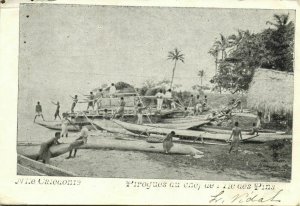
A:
271,90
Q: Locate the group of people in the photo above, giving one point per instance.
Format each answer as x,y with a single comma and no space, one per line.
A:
45,153
93,99
198,104
96,99
167,97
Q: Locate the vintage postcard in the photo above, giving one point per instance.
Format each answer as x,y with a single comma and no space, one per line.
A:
149,103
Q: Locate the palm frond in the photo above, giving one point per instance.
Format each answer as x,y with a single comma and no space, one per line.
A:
285,18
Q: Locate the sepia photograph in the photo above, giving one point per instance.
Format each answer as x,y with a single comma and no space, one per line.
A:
149,92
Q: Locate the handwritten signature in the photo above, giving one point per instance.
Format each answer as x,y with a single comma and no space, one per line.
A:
246,197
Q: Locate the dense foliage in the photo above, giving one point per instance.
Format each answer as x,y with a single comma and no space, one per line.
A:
273,48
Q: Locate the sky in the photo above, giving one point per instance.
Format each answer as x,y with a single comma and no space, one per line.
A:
71,49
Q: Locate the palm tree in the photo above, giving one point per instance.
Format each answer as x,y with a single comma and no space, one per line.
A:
214,52
201,74
236,39
281,20
175,56
222,44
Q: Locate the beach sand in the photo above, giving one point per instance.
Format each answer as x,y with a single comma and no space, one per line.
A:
252,163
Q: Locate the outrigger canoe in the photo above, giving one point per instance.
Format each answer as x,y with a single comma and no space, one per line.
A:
55,125
227,130
191,134
183,125
31,151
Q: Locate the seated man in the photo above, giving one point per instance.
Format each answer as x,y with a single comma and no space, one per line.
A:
254,130
81,140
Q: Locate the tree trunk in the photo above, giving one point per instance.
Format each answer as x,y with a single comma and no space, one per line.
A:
201,82
173,74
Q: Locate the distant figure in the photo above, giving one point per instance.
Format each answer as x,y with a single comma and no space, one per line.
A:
99,96
168,97
91,99
238,104
139,112
120,111
105,115
112,90
186,112
75,100
159,97
254,130
168,142
81,140
64,125
258,122
44,153
56,114
173,104
192,103
38,111
235,135
205,101
198,106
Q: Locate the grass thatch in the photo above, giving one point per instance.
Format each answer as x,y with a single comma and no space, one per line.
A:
271,91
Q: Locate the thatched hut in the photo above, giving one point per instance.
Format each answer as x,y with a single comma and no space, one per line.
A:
271,91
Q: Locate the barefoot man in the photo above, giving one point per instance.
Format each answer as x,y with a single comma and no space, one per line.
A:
38,111
235,135
44,153
168,142
75,100
81,140
56,114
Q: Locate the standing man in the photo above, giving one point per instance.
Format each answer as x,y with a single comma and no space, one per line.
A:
91,101
99,96
192,103
168,97
38,111
205,101
139,113
75,100
112,90
159,98
57,110
120,111
65,122
198,106
236,134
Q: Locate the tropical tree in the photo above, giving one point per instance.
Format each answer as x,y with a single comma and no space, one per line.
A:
235,40
281,20
222,44
273,48
280,43
201,74
175,56
214,51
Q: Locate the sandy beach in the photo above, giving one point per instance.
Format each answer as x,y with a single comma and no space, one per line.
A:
252,163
